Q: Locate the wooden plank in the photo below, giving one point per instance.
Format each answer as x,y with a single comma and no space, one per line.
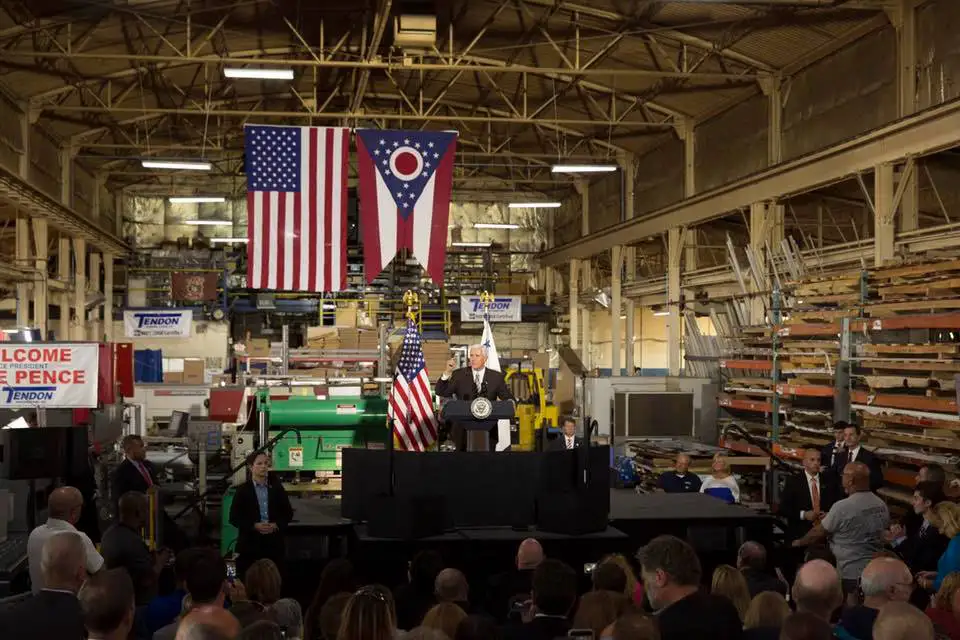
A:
884,308
749,365
914,270
903,401
730,402
809,329
911,421
876,349
920,321
897,382
805,390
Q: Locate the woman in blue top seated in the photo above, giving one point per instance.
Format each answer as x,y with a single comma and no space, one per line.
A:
946,518
721,484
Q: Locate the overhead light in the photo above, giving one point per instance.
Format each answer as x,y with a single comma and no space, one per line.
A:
260,74
196,199
188,165
470,244
661,313
583,168
228,240
495,225
534,205
209,223
623,316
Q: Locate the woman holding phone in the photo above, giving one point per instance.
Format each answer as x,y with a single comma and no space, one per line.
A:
261,512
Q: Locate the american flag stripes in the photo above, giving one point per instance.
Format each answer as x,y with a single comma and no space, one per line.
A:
410,403
297,207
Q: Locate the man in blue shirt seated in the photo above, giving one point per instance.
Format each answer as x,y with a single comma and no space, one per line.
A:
680,480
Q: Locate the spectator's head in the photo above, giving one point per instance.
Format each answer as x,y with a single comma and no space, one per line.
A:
752,555
839,429
182,563
682,463
63,562
670,569
288,614
424,568
730,583
133,509
811,461
259,467
247,612
206,578
529,555
451,586
851,436
208,622
107,603
633,626
369,614
444,617
337,577
768,609
804,625
621,561
885,580
599,609
943,598
926,494
569,427
133,447
65,503
475,627
946,518
932,472
554,588
262,630
720,465
856,477
425,633
262,581
902,621
820,552
817,589
331,615
608,576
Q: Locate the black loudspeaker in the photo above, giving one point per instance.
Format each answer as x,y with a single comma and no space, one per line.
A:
571,513
407,517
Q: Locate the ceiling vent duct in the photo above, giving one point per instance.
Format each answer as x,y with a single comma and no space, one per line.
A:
415,31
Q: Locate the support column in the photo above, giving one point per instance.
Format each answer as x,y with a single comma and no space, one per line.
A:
686,131
884,214
690,255
23,261
616,324
626,161
63,274
108,294
674,252
40,284
583,188
574,304
772,87
23,162
766,232
585,337
904,19
79,328
67,153
93,286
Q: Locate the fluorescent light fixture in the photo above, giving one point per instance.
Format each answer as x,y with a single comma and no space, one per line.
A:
495,225
209,223
583,168
534,205
228,240
196,199
661,313
470,244
259,74
189,165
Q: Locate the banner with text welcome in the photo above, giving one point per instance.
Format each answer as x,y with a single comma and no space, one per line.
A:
53,376
157,324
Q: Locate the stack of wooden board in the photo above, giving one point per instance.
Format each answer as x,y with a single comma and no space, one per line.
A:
916,288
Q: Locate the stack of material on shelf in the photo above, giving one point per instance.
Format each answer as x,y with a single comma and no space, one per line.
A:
368,340
323,338
916,288
747,386
436,353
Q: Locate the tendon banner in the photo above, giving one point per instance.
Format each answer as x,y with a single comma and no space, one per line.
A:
157,324
502,309
54,375
195,287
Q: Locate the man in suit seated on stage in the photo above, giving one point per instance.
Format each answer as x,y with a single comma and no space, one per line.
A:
568,439
807,497
469,383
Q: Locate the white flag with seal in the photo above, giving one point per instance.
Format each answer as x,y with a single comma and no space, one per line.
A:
493,362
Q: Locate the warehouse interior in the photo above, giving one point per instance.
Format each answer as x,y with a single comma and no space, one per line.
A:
737,215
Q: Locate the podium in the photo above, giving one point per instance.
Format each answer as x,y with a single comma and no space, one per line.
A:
478,417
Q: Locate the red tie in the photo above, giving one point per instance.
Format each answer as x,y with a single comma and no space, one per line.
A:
143,472
815,494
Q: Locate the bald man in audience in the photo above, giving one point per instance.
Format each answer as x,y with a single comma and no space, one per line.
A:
506,586
884,580
902,621
63,511
206,619
451,586
817,589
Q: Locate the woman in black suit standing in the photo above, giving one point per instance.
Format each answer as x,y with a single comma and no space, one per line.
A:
261,512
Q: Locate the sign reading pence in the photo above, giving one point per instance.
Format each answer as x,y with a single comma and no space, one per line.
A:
55,376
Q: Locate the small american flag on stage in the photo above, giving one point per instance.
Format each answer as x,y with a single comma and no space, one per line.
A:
296,207
410,406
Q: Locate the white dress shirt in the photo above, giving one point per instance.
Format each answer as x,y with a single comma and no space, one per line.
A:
570,440
477,375
810,480
854,453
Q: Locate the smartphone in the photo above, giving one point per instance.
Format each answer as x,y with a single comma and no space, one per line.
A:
580,633
231,571
589,567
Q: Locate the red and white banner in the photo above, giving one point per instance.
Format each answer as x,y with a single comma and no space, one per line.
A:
296,207
405,182
49,375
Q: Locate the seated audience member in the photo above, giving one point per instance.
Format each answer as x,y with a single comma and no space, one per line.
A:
902,621
884,580
287,613
941,610
208,623
416,597
804,625
553,596
721,484
729,583
262,582
337,577
206,583
752,562
123,547
946,517
108,601
370,615
633,626
599,609
164,609
63,511
248,611
262,630
451,586
608,576
679,479
475,627
765,616
924,544
634,588
444,617
671,574
505,586
855,525
425,633
331,615
817,589
54,612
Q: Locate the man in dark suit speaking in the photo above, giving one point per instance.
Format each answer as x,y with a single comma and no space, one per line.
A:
472,382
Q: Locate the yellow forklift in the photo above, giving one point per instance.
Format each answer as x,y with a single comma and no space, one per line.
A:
533,410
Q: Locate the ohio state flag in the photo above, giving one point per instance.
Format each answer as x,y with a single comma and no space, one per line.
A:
405,180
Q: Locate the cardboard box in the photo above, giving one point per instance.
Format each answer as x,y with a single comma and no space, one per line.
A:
258,348
193,371
347,315
173,377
